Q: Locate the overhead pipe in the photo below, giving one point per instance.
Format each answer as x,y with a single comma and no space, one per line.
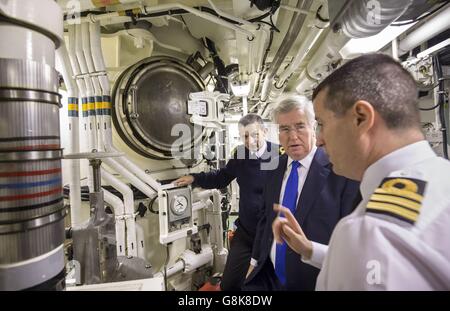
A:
304,50
231,17
360,19
435,25
70,6
118,17
296,24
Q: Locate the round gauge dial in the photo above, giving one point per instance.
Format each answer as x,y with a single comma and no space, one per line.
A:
179,204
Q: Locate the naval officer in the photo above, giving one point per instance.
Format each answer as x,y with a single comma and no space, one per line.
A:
398,237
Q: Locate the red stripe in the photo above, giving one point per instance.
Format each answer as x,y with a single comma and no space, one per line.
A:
30,196
35,147
32,173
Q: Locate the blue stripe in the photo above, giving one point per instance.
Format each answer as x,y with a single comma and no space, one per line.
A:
31,184
73,100
103,112
73,113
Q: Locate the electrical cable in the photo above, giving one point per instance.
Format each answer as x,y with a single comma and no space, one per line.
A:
441,101
150,205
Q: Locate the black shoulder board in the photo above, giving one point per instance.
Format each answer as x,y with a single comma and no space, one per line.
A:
398,197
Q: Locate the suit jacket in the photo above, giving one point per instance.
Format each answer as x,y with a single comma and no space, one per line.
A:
251,179
325,198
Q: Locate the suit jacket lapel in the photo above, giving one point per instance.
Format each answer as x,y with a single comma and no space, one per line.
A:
317,175
277,182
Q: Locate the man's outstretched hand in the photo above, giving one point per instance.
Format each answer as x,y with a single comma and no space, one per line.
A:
287,228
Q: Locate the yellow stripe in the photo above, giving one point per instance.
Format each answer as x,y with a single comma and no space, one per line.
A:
104,105
402,193
103,3
393,209
88,106
73,107
396,200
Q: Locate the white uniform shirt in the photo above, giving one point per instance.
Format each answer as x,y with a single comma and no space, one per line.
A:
370,251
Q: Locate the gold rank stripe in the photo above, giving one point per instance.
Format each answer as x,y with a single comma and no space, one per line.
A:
396,200
401,193
392,209
73,107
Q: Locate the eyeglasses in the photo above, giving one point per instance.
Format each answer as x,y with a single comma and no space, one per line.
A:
298,128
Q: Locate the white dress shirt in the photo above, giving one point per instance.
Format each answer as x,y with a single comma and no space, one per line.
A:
377,252
303,170
260,151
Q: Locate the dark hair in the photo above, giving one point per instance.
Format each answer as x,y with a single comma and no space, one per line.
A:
379,80
250,119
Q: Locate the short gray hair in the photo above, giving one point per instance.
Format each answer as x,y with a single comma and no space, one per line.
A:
251,118
290,102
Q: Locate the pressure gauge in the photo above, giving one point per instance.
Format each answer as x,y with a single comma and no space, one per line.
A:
179,204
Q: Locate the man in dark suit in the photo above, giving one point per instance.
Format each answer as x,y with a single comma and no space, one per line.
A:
304,183
248,164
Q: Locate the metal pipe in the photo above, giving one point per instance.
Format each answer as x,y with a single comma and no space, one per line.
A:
79,6
202,195
429,29
32,209
125,172
88,102
355,23
73,61
394,46
128,216
112,18
288,41
134,169
294,9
